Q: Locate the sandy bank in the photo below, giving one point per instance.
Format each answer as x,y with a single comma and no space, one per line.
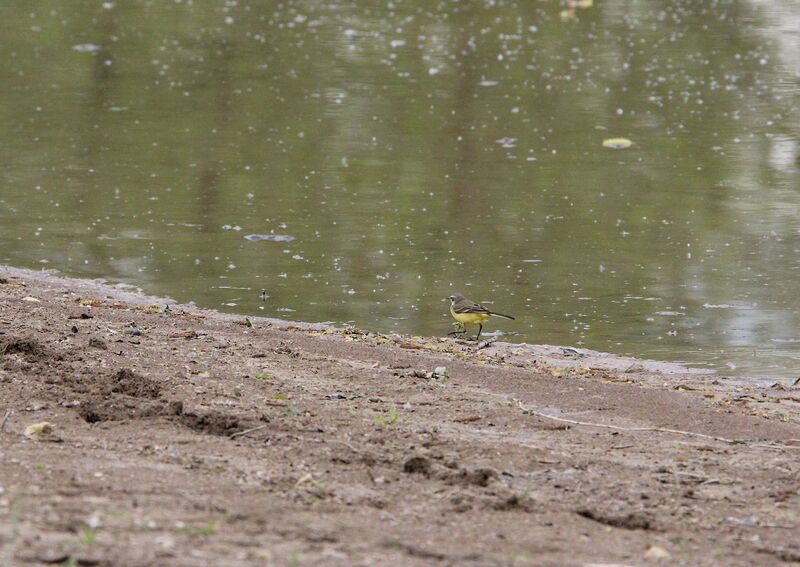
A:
185,437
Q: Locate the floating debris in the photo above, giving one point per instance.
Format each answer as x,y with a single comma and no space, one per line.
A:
617,143
269,237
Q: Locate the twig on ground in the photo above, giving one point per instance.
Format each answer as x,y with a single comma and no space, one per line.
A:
246,431
348,445
486,343
5,419
531,411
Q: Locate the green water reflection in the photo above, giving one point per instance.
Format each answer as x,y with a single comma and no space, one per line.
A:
413,149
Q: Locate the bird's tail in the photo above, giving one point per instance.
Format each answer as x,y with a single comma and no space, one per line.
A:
501,315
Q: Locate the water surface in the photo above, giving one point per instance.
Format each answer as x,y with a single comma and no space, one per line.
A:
413,149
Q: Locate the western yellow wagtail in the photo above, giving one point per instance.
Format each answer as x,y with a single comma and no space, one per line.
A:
465,311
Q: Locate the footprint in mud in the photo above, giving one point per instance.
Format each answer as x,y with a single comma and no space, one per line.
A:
477,477
30,350
629,521
417,465
124,395
213,422
131,384
95,409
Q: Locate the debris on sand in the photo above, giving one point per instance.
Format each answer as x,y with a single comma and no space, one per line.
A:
43,431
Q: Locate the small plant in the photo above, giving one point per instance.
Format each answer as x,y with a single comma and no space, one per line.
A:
87,535
43,428
390,418
280,396
263,376
206,529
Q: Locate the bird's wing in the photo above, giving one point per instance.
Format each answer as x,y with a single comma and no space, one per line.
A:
471,308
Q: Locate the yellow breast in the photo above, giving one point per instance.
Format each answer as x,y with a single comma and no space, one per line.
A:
473,318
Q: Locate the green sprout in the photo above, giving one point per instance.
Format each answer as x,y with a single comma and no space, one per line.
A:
390,418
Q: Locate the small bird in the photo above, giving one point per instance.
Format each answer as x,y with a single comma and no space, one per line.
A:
465,311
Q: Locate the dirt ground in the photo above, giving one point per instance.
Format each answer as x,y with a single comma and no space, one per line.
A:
184,437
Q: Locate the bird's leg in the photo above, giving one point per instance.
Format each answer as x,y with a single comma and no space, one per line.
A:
458,329
480,328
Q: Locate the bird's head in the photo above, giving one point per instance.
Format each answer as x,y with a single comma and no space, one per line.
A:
455,297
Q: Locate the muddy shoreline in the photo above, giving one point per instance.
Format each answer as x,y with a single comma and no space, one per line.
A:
179,436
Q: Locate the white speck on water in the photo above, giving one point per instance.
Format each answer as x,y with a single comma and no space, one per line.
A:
488,83
433,71
507,142
397,42
86,47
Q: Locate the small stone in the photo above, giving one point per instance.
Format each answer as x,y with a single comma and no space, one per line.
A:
657,552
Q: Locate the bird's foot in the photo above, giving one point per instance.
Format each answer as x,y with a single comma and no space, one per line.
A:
458,329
